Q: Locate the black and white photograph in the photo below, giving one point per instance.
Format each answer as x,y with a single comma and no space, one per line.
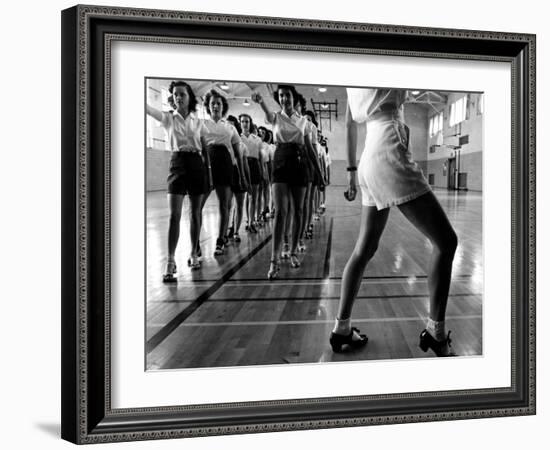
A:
300,224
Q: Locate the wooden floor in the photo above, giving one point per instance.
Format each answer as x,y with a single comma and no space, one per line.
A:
228,314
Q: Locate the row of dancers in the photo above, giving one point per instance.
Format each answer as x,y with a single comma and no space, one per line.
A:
387,176
240,161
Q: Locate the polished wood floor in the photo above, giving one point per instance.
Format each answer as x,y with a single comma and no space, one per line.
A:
229,314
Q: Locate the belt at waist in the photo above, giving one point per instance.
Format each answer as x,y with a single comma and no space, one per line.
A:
188,149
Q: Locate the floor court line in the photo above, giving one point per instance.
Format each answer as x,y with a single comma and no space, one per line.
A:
291,282
169,327
318,298
317,322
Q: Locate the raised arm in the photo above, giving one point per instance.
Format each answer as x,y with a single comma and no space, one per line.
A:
269,115
154,113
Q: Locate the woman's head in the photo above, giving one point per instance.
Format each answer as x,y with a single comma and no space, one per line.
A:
246,123
216,104
183,95
286,96
310,116
235,122
263,132
301,104
269,137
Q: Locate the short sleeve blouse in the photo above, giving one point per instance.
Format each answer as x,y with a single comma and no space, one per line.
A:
253,145
222,133
287,130
184,134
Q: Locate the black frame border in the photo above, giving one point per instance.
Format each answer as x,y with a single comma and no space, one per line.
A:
87,31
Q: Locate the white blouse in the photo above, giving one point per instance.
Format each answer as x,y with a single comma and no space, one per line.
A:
253,145
265,151
222,133
291,129
184,134
363,103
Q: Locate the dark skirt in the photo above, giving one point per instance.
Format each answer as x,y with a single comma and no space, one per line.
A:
254,168
187,174
221,165
236,185
290,165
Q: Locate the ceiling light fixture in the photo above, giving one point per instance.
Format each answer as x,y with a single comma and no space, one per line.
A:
224,86
322,89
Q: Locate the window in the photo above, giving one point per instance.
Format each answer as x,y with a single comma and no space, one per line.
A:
480,104
458,111
436,124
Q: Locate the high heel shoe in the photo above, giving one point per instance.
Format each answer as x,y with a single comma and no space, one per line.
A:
168,276
273,270
194,262
285,254
337,341
440,348
220,244
294,261
301,246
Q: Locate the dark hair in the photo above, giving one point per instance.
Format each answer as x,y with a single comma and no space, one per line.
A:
215,94
266,133
235,123
302,102
249,118
270,137
311,115
192,98
289,87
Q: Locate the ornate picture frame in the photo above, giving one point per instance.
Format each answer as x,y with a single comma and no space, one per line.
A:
88,33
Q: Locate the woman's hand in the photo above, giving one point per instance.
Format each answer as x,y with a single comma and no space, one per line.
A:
256,97
351,192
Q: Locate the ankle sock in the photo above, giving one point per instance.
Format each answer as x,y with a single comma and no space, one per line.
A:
342,326
436,329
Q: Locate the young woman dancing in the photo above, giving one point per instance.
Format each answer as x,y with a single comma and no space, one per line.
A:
387,176
253,145
189,171
292,137
265,191
239,189
224,148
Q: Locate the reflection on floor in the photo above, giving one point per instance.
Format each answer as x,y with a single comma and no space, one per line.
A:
229,314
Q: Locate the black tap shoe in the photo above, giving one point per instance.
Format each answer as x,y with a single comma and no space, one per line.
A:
442,348
337,341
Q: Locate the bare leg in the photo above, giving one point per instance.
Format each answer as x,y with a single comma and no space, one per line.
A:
252,205
307,211
298,194
175,205
239,198
195,213
427,215
280,199
373,223
288,218
224,199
